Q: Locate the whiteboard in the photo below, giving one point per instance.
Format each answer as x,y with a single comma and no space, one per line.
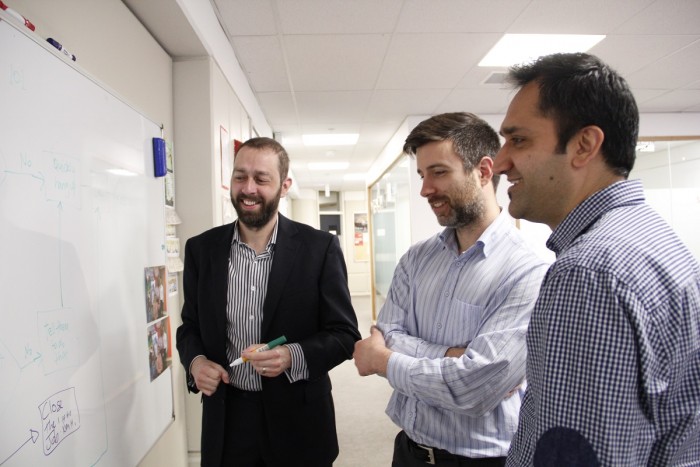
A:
75,239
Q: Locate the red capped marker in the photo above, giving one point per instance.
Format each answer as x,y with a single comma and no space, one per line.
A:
16,15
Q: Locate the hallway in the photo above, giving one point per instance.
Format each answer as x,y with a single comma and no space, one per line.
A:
366,435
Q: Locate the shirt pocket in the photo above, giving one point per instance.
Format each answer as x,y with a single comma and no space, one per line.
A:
464,323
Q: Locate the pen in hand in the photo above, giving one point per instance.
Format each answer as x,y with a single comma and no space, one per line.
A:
270,345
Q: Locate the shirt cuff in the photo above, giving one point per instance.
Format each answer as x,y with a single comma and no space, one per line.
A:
298,371
398,372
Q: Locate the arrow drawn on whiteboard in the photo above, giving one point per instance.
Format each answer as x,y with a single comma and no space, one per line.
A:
33,436
35,359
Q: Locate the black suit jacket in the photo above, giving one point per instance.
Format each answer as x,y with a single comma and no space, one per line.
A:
307,301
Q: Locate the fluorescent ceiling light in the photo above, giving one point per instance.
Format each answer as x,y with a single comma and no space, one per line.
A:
521,48
355,177
330,139
328,165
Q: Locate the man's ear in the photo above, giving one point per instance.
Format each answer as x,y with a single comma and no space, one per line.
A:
485,168
586,145
286,184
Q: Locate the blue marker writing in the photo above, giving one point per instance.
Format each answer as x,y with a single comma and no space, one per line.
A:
58,45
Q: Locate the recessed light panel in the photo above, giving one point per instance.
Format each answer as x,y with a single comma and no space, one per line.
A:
521,48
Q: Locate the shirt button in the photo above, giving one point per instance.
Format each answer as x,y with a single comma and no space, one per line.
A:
439,325
252,288
251,317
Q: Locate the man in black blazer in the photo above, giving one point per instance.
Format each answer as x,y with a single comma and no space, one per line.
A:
250,282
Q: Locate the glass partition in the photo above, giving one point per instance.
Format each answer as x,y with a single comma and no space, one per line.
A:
669,169
389,226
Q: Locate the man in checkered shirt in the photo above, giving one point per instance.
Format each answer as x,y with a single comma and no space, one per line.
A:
613,362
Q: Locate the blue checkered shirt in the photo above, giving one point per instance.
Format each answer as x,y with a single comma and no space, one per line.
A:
613,360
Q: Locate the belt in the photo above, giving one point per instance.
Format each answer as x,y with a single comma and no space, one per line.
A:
430,455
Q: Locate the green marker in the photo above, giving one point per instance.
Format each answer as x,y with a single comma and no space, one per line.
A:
268,346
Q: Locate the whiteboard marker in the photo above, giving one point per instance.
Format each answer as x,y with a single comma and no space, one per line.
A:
58,45
16,15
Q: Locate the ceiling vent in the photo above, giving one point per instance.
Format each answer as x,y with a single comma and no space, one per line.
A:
496,77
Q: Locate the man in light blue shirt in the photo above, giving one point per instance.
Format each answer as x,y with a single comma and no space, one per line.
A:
450,338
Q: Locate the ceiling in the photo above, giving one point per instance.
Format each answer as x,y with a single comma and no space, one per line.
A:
363,66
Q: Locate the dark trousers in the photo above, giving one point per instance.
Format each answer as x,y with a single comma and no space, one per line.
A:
408,454
246,439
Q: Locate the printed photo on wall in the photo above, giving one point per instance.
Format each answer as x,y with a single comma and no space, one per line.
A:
159,351
156,298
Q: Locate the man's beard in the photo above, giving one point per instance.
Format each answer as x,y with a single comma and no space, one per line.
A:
258,219
464,212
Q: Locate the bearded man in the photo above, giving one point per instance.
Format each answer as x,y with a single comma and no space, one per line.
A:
251,282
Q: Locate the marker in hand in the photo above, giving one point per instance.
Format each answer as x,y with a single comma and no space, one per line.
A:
268,346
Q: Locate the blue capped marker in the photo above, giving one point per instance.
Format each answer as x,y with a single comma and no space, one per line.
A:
58,45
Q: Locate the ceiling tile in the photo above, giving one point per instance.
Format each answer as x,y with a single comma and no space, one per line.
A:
397,104
262,60
335,62
419,16
665,17
627,54
432,61
487,100
672,101
246,18
673,71
575,16
279,108
338,16
332,107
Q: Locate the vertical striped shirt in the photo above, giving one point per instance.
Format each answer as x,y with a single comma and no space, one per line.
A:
614,342
248,274
479,299
247,286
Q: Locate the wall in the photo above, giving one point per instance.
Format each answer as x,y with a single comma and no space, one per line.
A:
114,48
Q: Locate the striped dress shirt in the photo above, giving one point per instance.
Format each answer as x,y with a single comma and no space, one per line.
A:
614,342
248,273
480,299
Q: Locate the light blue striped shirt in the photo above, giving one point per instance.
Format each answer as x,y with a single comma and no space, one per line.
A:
480,299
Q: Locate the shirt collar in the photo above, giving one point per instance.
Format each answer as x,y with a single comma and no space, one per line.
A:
486,240
622,193
270,243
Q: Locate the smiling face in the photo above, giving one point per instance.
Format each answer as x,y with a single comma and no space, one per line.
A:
256,187
541,177
453,194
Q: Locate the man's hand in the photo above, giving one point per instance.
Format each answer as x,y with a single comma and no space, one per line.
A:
455,352
207,375
269,363
372,355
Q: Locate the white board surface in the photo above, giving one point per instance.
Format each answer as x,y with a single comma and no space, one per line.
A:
75,237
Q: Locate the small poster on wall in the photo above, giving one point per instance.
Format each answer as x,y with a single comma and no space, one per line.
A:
156,300
361,241
159,351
